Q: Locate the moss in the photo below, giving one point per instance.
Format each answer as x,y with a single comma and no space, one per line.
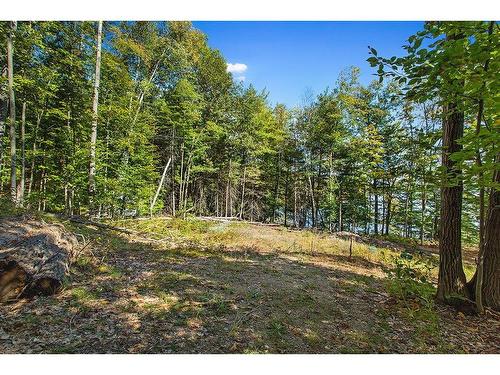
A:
112,271
83,294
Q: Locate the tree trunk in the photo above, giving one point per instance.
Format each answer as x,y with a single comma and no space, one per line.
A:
313,208
451,278
12,102
435,225
375,210
489,278
285,207
172,177
4,109
388,217
341,226
93,137
383,218
186,185
276,188
23,156
295,214
228,188
33,156
422,215
181,178
407,199
476,284
242,205
162,180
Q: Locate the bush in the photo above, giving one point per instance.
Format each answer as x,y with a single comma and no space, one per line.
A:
408,278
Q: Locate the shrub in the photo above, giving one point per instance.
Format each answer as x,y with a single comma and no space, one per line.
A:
408,278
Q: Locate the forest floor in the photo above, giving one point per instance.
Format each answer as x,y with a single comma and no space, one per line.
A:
197,286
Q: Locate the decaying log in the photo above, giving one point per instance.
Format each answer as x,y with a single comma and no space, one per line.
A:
80,220
34,257
226,219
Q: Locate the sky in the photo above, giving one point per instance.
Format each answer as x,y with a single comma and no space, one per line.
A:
289,58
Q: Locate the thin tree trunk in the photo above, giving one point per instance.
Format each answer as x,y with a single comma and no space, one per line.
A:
313,208
33,156
276,188
295,214
41,185
186,185
388,217
435,229
228,192
407,205
4,110
242,205
217,201
143,92
181,178
410,211
23,156
422,214
384,201
341,223
93,137
12,102
173,170
285,207
375,209
159,187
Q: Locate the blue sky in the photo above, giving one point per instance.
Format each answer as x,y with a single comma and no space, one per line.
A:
287,58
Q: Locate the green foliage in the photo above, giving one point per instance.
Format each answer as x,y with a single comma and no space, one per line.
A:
165,94
408,278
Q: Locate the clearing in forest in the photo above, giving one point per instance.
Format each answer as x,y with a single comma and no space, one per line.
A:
197,286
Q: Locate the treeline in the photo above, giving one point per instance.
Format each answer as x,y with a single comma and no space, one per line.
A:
100,113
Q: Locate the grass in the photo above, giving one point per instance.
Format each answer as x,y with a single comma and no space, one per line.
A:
84,295
277,329
234,287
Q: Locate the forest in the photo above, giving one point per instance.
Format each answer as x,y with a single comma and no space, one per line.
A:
139,127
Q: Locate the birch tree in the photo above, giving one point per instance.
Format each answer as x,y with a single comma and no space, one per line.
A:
93,137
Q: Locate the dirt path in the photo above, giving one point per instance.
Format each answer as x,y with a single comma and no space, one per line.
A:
132,296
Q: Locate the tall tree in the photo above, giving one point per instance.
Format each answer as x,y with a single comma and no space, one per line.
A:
12,103
93,136
451,277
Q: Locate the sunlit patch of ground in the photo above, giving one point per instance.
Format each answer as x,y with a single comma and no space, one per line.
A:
210,287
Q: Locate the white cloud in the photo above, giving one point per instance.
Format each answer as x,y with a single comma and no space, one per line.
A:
236,68
240,78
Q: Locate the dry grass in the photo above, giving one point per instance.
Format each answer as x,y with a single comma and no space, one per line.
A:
211,287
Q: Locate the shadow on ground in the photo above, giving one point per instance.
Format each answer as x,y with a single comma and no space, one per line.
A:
134,296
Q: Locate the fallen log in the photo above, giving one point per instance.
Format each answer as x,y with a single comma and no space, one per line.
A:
34,257
141,235
80,220
225,219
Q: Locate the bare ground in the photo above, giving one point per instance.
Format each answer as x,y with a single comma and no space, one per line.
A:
231,288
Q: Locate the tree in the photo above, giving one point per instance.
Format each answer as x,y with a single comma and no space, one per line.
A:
93,137
489,286
451,67
12,103
451,279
